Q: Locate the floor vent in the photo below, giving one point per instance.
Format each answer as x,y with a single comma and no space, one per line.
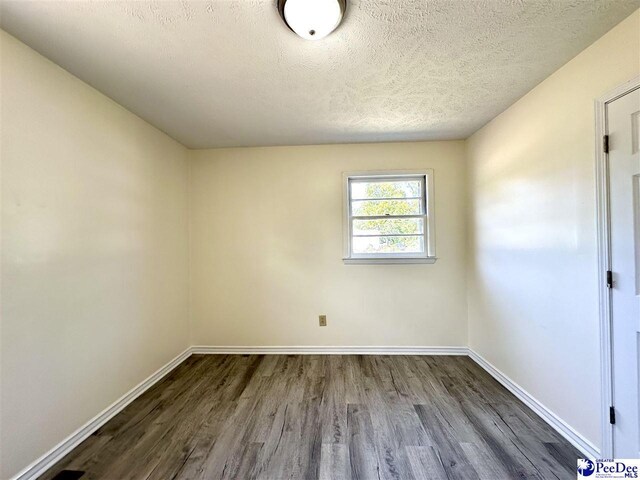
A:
68,475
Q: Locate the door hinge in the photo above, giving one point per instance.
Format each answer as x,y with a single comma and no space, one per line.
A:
612,415
605,144
609,279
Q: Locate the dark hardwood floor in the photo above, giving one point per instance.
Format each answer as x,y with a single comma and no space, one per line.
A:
331,417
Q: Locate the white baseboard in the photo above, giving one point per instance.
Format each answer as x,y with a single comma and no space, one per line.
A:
316,350
45,462
564,429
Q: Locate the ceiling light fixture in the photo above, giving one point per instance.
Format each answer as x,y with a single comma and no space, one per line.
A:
312,19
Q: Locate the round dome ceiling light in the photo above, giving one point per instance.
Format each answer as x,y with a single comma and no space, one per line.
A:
312,19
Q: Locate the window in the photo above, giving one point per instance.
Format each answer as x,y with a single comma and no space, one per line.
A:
389,217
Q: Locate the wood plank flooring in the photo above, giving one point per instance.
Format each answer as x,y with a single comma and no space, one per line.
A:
329,417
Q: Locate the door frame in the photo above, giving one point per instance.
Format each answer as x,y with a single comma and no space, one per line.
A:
604,257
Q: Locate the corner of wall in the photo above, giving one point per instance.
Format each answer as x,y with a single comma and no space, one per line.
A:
468,232
190,334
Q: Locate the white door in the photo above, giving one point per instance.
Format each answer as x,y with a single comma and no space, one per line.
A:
623,122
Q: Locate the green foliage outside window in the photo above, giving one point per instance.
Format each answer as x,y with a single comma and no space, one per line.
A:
397,206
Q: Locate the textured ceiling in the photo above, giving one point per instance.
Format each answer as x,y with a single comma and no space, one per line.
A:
230,73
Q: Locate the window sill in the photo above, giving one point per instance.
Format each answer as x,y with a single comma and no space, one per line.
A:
387,261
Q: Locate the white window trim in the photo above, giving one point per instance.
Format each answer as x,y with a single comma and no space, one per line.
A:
378,259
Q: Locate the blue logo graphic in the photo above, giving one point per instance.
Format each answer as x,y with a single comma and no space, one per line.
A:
585,467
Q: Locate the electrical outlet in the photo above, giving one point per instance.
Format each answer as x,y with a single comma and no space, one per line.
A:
323,320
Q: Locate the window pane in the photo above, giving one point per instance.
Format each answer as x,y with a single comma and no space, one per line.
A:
386,189
372,245
361,208
388,226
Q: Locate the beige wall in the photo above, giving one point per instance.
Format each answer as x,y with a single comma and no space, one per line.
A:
266,250
94,253
533,297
